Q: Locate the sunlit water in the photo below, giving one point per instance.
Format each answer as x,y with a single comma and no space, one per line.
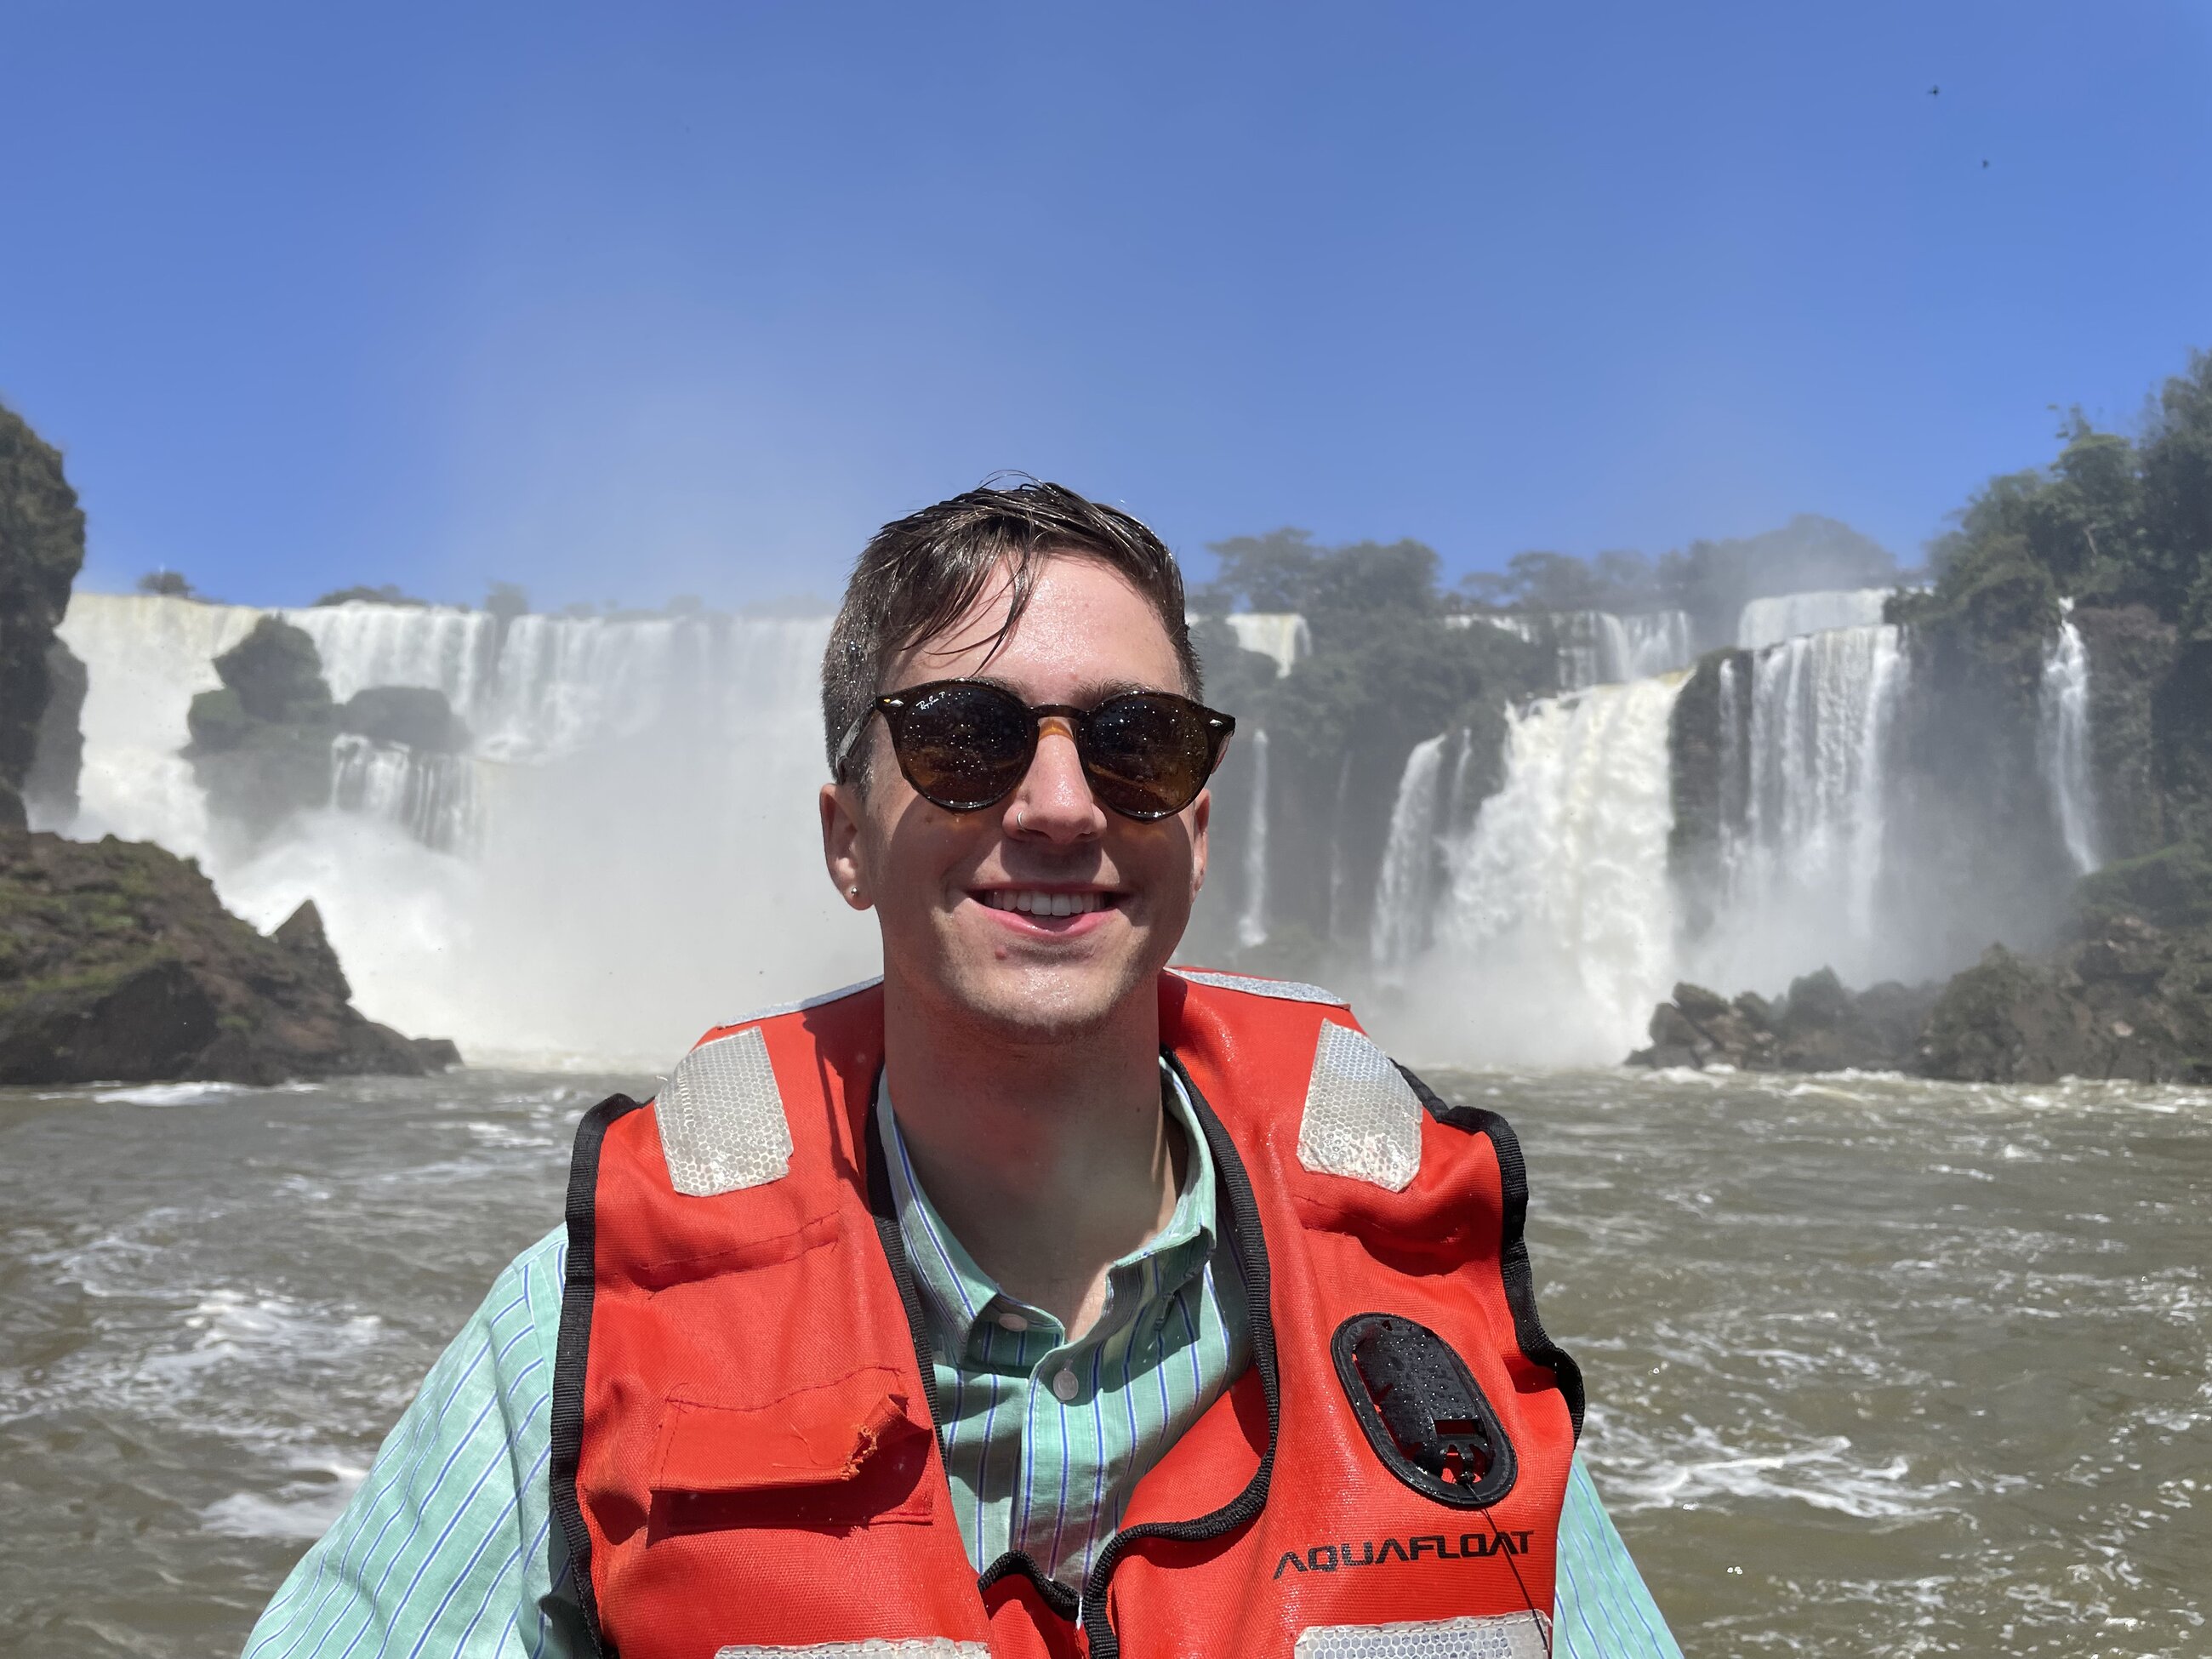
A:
1876,1367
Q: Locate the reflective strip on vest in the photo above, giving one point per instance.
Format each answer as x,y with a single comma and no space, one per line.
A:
1362,1118
1502,1636
921,1646
721,1119
1284,990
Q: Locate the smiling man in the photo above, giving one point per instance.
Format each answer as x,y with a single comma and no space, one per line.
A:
1036,1299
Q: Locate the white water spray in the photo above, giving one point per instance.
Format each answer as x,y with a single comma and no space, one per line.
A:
1804,863
2064,718
620,860
1555,936
1769,621
1404,893
1252,922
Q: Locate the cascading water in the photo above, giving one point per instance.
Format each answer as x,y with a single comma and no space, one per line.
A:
1804,858
1404,893
1769,621
1597,647
1283,635
1252,921
431,797
590,879
2064,718
149,658
1555,933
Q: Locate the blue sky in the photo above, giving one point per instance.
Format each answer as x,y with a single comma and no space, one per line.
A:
623,302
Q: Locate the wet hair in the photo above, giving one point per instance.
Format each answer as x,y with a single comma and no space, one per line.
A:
919,575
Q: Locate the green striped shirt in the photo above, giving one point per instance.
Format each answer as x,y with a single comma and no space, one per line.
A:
448,1552
1045,1438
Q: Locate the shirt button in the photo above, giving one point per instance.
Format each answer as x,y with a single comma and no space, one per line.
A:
1012,1322
1065,1385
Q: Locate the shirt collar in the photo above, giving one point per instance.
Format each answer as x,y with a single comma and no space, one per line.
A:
958,1296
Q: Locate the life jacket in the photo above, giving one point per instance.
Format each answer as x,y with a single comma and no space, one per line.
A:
744,1456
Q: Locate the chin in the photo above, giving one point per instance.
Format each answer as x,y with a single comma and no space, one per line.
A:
1040,1003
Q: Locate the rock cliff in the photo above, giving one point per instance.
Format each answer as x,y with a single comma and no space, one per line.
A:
117,961
41,550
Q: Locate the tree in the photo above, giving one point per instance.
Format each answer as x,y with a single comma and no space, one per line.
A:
166,584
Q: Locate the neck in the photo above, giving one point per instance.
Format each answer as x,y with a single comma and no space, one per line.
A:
1047,1159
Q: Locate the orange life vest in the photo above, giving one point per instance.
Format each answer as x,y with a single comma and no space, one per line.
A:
744,1456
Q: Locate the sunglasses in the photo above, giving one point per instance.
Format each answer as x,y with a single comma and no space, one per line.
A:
964,744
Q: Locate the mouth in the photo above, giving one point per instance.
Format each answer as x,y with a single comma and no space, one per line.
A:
1057,911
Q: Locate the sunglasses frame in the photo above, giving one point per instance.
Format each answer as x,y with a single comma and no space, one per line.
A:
896,706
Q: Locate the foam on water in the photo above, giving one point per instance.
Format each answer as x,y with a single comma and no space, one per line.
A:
1855,1367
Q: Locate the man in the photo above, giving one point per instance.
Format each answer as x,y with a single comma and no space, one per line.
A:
1035,1300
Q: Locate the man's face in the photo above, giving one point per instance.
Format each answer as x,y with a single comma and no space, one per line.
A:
965,899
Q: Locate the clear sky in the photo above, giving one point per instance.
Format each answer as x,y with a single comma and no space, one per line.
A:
622,301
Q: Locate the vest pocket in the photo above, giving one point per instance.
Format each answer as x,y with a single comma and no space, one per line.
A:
844,1454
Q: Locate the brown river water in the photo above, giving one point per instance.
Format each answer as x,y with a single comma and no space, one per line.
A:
1877,1367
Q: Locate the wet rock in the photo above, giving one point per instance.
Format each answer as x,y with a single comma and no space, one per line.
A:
2130,1000
437,1053
1820,1026
41,547
118,961
277,675
418,716
261,741
58,755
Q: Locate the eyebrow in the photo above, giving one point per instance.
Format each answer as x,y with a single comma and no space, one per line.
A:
1088,694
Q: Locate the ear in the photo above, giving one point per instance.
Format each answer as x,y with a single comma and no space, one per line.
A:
1201,816
840,843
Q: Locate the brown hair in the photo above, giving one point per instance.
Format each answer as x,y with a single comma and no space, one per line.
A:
919,575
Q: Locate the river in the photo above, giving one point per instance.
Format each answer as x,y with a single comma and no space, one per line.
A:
1877,1366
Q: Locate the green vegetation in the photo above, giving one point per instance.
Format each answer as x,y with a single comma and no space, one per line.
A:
1710,580
2112,521
41,549
388,593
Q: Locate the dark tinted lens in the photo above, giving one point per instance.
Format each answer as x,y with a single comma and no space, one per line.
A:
1147,753
963,746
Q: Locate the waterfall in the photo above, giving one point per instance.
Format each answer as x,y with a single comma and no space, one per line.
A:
1280,635
455,651
1769,621
1252,923
1339,878
431,797
147,658
1804,853
1555,934
1655,643
1404,894
2064,718
1597,647
619,861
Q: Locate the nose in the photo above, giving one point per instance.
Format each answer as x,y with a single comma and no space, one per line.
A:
1054,803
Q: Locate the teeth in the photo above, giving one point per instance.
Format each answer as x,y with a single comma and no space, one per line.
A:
1045,904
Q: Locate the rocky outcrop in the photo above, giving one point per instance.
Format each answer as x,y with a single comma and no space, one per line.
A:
416,716
1708,742
2132,1000
118,961
41,549
2127,999
261,741
2131,653
1820,1026
57,757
